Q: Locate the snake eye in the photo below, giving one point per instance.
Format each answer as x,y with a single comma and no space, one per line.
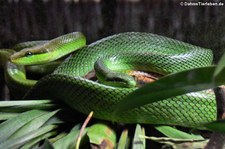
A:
28,54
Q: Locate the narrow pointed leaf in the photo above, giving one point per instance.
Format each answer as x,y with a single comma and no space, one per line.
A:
18,142
124,140
5,115
34,141
139,140
19,109
170,86
22,106
166,139
47,145
57,137
190,145
143,134
8,127
69,141
33,125
54,120
180,143
218,126
177,134
23,103
220,66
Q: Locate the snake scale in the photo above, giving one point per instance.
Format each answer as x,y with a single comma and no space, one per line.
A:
124,52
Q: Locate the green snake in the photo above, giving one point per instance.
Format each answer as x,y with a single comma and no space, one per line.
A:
113,58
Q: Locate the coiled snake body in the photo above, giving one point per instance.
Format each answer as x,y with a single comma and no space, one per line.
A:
124,52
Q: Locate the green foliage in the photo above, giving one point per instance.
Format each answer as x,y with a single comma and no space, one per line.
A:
219,73
9,127
178,139
18,142
218,126
139,140
174,133
68,141
220,67
102,135
33,125
124,140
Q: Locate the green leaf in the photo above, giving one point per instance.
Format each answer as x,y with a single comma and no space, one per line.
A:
33,125
177,134
190,145
166,139
5,115
8,127
218,126
180,143
18,142
47,145
139,140
19,109
220,66
5,104
57,137
36,140
170,86
54,120
101,134
178,139
68,141
22,106
124,140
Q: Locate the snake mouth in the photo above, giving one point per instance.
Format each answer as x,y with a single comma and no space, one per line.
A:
140,77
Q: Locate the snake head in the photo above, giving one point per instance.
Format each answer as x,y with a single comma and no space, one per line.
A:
50,51
120,80
30,56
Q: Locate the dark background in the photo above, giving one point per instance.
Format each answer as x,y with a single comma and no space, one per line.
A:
24,20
